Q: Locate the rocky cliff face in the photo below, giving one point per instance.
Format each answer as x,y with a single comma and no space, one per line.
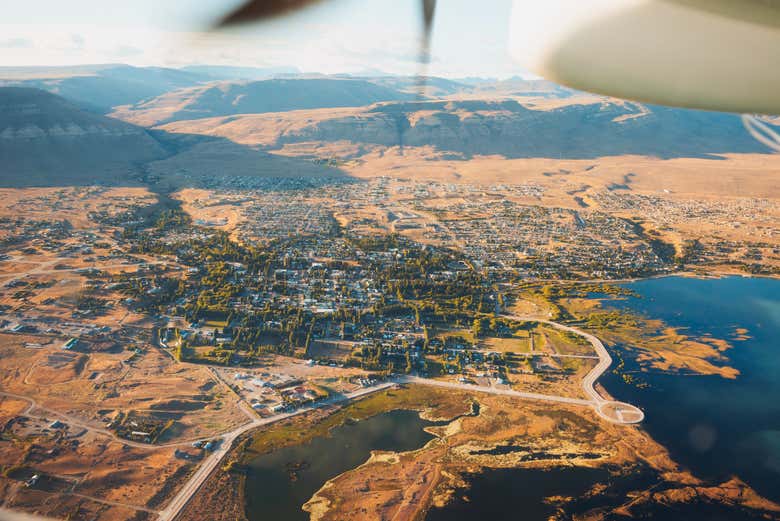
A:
44,138
511,130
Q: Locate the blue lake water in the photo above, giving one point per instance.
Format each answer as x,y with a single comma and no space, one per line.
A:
279,483
714,426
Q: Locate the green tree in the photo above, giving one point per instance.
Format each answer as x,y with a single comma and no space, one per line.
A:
476,328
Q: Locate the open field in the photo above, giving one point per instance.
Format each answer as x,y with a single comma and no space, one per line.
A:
95,387
59,429
71,204
84,472
245,282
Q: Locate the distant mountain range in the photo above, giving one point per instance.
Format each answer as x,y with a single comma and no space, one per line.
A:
101,87
479,127
225,72
275,95
58,130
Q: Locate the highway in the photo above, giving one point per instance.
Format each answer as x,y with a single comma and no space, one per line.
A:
596,401
492,390
623,413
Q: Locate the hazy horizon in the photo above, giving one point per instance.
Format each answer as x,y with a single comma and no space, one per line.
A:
282,71
337,36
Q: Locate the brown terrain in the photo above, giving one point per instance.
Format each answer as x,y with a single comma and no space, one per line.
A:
404,486
677,176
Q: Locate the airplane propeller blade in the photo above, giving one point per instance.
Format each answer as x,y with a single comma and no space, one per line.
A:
257,10
428,12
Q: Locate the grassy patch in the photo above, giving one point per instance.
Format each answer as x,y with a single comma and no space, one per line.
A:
297,430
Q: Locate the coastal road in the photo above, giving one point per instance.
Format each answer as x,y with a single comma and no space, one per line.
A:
615,412
612,411
528,354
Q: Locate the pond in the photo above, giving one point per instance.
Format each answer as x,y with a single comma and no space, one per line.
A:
279,483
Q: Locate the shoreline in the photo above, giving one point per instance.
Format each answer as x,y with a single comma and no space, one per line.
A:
680,274
717,274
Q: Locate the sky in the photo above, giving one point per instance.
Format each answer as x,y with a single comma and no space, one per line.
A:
335,36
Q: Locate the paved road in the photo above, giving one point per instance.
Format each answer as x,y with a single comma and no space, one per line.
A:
597,402
589,381
493,390
181,499
623,413
175,506
604,359
540,353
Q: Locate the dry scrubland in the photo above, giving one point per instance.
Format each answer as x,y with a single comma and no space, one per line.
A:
88,472
88,467
480,432
95,475
93,387
71,204
655,344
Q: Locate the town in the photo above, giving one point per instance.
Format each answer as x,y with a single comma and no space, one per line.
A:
244,301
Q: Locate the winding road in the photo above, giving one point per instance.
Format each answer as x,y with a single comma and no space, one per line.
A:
612,411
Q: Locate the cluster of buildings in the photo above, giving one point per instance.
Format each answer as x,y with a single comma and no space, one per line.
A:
272,393
542,242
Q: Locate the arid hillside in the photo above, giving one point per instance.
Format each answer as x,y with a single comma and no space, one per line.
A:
309,126
276,95
506,127
44,137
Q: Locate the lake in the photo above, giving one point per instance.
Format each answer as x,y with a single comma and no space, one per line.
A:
279,483
501,494
714,426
